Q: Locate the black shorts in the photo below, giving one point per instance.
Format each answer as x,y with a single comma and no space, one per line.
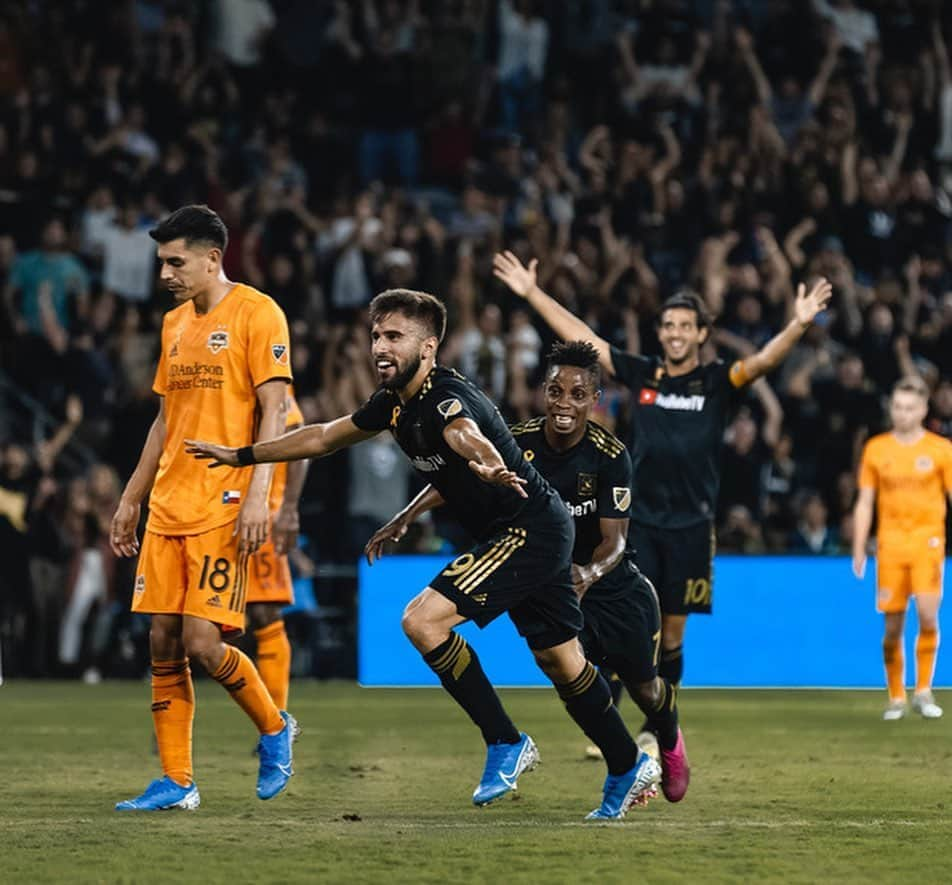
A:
680,563
623,630
525,570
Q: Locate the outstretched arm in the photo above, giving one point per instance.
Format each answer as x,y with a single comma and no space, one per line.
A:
310,441
522,281
465,438
774,352
428,499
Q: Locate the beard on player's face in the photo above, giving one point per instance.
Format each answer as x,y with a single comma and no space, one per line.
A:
403,372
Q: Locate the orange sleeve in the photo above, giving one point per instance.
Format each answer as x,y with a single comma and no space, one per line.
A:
868,471
269,345
738,374
160,382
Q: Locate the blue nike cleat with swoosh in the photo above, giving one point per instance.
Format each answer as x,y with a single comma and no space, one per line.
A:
504,764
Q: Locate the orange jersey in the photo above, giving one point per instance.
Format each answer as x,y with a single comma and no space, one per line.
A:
208,371
911,484
279,478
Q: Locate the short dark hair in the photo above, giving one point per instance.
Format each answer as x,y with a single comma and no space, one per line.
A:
194,224
582,354
428,309
685,299
912,384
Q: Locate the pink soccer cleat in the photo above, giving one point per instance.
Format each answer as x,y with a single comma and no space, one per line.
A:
675,771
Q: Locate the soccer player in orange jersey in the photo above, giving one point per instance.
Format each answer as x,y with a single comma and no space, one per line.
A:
269,573
223,373
907,474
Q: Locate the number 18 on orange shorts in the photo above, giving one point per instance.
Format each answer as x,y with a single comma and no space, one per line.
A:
200,575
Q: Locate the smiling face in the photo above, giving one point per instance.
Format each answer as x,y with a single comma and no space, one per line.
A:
188,271
399,345
570,394
680,336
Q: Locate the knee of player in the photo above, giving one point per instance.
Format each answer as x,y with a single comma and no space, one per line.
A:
559,665
165,638
203,649
645,694
414,623
260,615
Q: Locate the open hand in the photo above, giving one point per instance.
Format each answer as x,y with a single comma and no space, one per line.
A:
518,277
391,531
220,456
500,476
808,304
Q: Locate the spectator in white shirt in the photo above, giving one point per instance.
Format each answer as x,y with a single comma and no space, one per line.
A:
128,256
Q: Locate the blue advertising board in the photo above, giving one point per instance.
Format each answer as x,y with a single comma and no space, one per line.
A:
778,621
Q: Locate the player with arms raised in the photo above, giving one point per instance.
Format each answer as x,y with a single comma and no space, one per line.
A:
906,474
224,365
680,409
520,563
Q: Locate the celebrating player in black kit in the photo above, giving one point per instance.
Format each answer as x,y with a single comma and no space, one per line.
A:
591,471
680,410
520,564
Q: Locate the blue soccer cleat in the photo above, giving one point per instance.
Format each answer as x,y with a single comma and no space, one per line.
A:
504,764
621,791
162,795
274,759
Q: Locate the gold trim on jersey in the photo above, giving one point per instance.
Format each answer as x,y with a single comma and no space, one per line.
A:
527,426
494,557
604,440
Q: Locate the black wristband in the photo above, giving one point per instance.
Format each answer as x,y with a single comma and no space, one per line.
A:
246,456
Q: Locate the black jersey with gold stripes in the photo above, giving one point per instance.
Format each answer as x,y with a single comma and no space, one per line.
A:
593,478
417,425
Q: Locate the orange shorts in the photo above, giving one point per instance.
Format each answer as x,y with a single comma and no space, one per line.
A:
200,575
897,579
269,577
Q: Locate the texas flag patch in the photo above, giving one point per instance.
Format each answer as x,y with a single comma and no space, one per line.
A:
647,396
231,497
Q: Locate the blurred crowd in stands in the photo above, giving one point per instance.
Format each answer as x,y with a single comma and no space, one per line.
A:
634,147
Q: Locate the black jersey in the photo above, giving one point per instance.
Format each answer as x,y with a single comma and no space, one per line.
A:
675,439
593,478
417,425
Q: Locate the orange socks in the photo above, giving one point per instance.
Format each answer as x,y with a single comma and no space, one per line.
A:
173,708
895,665
927,643
243,682
274,661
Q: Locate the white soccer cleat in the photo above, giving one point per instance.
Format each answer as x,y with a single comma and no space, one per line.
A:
924,704
894,710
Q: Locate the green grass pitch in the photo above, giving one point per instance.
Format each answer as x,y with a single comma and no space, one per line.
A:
788,787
